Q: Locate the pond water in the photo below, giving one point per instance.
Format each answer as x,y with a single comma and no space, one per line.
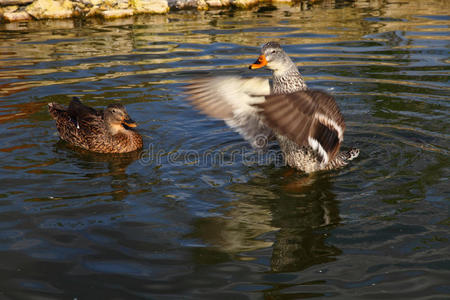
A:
185,218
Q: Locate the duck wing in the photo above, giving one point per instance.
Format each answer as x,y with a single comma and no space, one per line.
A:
232,99
82,114
309,118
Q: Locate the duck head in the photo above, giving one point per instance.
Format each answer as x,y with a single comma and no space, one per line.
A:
273,57
117,118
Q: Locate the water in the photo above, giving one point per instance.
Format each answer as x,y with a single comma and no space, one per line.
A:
174,222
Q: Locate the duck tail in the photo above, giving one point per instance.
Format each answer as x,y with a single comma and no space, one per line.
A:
343,158
352,154
55,109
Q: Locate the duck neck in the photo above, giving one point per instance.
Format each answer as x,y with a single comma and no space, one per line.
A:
117,128
288,81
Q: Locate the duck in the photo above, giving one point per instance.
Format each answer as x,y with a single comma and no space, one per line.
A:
307,123
103,131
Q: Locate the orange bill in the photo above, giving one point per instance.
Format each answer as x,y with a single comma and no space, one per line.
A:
129,122
259,63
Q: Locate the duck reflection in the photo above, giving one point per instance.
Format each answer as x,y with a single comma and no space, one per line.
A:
292,220
304,222
110,164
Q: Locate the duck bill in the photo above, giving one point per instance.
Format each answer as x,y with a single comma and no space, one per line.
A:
129,122
259,63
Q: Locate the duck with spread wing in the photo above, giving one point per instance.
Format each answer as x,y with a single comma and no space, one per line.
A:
307,124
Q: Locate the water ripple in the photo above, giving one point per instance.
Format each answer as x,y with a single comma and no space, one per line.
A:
174,222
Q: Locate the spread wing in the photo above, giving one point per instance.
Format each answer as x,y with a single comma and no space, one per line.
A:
309,118
232,98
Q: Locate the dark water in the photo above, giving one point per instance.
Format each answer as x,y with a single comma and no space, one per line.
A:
188,219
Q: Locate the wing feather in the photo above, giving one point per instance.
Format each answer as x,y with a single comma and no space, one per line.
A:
231,98
308,118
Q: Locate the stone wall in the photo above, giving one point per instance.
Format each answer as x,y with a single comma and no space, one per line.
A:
20,10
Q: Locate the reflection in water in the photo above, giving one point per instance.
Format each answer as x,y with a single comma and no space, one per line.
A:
294,225
166,46
12,112
300,242
81,225
116,164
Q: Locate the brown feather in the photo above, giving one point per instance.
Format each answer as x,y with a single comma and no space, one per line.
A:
306,114
85,127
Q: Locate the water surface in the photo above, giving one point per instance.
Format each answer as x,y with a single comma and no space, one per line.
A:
188,218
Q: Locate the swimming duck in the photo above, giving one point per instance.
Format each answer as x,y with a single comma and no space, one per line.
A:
307,124
108,131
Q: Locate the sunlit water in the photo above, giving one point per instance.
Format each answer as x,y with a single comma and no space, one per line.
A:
199,214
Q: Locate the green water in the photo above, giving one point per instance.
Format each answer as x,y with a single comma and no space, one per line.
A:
187,219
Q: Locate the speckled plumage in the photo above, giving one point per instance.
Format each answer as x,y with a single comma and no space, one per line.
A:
288,83
97,131
286,80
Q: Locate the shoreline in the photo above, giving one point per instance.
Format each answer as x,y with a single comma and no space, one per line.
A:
28,10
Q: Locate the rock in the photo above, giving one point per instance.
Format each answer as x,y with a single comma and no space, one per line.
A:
150,6
92,11
109,3
116,13
16,16
96,2
186,4
85,3
80,5
123,4
14,2
9,9
244,3
202,5
50,9
58,9
218,3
